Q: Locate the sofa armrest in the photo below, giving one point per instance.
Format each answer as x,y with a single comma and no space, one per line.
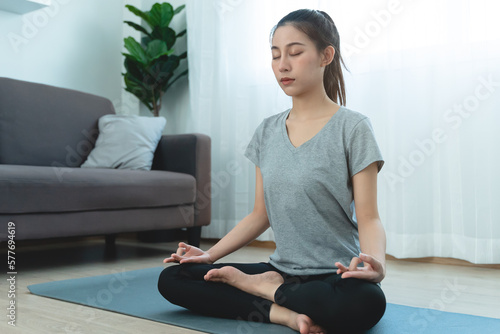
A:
191,154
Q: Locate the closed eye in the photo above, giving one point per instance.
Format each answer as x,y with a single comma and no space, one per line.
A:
294,54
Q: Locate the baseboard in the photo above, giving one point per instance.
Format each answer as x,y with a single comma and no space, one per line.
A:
436,260
263,244
444,260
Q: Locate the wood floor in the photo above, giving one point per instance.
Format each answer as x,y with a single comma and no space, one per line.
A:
461,289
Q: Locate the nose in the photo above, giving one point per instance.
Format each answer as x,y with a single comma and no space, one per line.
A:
284,65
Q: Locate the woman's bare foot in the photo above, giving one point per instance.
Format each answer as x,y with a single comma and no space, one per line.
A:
299,322
306,326
262,285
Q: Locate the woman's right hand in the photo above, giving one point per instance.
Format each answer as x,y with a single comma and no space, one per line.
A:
189,254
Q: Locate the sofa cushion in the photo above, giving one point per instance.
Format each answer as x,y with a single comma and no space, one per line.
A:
34,189
126,142
42,125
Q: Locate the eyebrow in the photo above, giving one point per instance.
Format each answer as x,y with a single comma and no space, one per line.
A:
288,45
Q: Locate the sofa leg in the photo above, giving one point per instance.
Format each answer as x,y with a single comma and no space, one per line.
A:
194,236
110,240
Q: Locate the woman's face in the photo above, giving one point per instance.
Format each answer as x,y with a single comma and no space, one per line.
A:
296,63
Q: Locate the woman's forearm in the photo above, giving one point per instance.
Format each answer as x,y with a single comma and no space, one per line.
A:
246,231
372,238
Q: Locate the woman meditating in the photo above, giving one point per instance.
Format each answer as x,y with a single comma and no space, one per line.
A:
316,187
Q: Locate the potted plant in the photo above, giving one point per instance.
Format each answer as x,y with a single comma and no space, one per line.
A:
150,65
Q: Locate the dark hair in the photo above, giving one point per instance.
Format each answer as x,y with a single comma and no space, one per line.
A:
319,27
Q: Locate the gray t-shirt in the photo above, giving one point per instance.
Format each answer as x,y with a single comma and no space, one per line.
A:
308,189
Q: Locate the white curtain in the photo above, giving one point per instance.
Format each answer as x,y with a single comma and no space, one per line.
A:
427,73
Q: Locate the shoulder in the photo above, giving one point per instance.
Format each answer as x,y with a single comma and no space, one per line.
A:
354,122
351,118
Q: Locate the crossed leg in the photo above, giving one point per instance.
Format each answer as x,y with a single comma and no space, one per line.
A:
265,285
314,304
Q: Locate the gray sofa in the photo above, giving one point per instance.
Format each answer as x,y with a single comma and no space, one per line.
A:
46,133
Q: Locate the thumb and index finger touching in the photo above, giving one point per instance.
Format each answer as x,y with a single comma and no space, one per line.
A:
181,255
183,248
178,255
355,261
375,263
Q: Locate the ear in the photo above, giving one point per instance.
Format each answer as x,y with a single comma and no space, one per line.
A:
327,56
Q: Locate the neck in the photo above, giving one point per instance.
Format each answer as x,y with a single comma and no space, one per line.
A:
310,104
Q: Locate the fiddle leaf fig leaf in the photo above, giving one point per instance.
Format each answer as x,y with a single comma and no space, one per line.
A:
134,86
178,9
156,49
136,50
182,33
161,14
176,78
143,15
137,27
165,34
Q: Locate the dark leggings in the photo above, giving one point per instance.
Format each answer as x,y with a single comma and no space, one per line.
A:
338,305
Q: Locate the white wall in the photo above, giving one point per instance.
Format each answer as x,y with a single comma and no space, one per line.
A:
74,44
77,44
175,102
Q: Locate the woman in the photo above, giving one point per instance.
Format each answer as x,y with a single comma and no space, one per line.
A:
313,162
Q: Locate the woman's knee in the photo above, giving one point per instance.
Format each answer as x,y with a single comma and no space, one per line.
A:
373,305
351,306
177,279
167,282
363,303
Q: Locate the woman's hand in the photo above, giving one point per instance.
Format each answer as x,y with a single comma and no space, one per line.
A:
373,271
189,254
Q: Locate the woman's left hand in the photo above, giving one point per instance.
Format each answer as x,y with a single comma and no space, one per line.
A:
373,270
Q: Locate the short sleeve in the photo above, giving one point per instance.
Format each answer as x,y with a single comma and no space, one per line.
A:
362,148
252,151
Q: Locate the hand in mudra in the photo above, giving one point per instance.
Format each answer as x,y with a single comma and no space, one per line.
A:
373,270
189,254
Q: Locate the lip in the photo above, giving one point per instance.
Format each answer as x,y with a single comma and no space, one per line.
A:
286,81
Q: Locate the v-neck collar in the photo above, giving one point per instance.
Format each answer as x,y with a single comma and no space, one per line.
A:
289,144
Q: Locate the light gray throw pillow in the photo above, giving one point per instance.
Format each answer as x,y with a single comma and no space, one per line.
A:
126,142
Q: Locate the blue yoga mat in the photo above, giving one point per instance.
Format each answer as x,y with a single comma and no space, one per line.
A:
135,293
